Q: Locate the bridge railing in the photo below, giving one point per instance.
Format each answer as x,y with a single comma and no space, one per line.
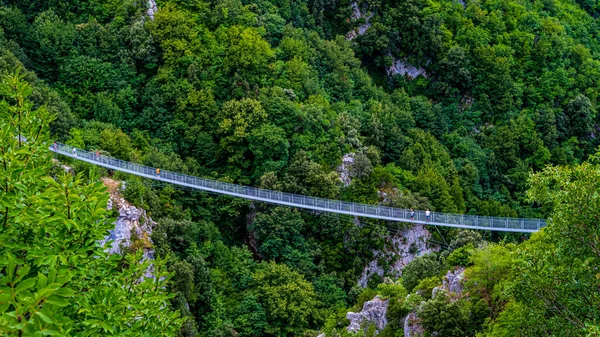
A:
336,206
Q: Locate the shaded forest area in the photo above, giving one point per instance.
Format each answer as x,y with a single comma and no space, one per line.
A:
275,93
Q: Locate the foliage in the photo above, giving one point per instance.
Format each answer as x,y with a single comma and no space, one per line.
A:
426,286
443,316
397,308
270,93
56,279
460,256
566,251
287,299
279,235
420,268
491,265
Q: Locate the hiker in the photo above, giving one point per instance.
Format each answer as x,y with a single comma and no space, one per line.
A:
74,152
412,214
97,155
157,173
427,213
55,146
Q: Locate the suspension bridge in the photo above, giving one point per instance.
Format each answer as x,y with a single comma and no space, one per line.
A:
522,225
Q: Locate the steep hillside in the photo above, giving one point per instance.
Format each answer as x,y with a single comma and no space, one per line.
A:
452,106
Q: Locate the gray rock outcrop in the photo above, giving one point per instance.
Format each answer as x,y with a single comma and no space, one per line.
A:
357,14
452,283
133,227
344,169
373,312
400,249
412,327
403,68
152,8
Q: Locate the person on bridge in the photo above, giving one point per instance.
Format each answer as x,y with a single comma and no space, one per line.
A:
74,152
427,214
97,154
412,214
55,146
157,173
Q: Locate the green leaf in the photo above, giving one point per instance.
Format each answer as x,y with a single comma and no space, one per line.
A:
44,317
22,272
5,297
52,274
42,281
58,301
28,283
50,332
65,292
11,265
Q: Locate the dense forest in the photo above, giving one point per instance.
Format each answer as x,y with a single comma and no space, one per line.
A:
482,107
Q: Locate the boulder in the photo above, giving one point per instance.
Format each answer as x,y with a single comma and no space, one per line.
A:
373,312
452,283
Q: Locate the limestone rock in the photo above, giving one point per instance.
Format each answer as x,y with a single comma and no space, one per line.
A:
452,283
373,312
344,169
152,8
384,195
402,68
400,250
357,14
412,327
133,225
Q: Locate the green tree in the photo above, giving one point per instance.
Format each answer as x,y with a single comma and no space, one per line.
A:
582,115
56,279
238,119
443,316
280,237
288,300
251,318
270,148
52,39
491,265
567,250
420,268
433,186
304,176
247,53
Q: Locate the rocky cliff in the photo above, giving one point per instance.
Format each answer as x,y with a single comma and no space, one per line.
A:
357,15
373,312
403,68
400,249
398,67
133,226
451,284
344,169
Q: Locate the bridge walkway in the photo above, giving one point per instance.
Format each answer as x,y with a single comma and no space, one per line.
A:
522,225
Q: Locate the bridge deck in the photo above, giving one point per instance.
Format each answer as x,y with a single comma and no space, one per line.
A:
307,202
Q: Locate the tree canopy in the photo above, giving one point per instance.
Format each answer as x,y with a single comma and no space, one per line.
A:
480,107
